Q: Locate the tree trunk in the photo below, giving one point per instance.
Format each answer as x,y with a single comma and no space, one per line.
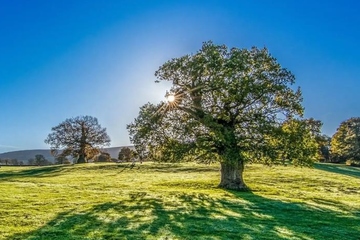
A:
232,176
82,155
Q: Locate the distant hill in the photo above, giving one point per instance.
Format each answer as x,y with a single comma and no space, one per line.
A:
25,155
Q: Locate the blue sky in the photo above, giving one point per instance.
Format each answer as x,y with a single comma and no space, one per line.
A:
61,59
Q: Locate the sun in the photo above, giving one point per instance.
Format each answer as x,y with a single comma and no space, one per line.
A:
171,98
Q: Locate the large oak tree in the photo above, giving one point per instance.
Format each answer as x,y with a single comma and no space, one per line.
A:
226,105
82,137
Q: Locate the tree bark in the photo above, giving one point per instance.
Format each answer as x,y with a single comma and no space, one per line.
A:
232,176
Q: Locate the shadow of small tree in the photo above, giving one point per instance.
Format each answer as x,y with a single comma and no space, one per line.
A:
198,216
45,171
340,169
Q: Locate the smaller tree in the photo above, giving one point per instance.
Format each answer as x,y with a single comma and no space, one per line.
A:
6,161
81,137
103,157
126,154
297,143
40,160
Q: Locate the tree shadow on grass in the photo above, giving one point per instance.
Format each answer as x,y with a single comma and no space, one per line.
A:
198,216
35,171
339,168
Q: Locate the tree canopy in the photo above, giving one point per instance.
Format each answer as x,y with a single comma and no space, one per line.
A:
226,105
81,137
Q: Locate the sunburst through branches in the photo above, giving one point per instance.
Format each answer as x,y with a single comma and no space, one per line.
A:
172,102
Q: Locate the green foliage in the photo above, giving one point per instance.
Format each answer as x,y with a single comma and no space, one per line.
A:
299,142
294,142
177,201
345,144
81,137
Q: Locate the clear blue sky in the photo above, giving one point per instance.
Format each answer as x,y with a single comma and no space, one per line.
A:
61,59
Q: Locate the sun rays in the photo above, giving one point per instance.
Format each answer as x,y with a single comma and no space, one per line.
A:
171,98
172,102
175,100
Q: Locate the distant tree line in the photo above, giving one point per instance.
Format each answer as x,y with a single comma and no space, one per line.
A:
125,155
10,161
38,160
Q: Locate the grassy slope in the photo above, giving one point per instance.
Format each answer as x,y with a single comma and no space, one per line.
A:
152,201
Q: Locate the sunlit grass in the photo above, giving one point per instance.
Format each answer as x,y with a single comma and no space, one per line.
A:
178,201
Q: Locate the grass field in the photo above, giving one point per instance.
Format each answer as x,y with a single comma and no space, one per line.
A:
167,201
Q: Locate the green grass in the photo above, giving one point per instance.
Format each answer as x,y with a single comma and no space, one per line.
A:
168,201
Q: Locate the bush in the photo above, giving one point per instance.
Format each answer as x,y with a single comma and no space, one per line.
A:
66,161
103,157
352,163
